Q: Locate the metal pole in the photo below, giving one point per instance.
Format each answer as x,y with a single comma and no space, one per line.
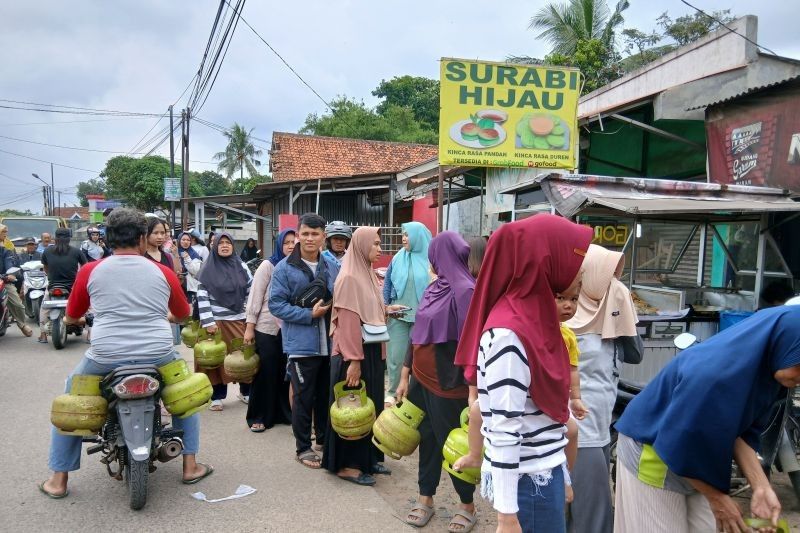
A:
633,252
449,190
440,200
171,163
391,201
760,260
45,198
319,184
480,220
52,192
59,199
186,116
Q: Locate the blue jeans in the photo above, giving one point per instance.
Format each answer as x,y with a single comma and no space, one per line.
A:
65,450
541,506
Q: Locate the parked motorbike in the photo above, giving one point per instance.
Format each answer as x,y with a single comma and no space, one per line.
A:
5,315
56,305
133,436
34,286
780,442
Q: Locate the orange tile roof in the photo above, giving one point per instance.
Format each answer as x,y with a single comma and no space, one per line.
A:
298,157
67,212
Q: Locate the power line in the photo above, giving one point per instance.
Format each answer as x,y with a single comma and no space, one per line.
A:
299,77
78,112
18,180
52,162
68,106
71,121
65,147
715,19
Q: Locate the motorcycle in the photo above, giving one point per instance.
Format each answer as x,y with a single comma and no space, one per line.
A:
5,314
57,305
780,442
133,436
34,283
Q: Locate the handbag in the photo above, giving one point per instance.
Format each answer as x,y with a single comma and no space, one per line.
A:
632,349
315,291
372,334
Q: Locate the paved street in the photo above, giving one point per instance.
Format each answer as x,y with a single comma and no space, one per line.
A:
289,497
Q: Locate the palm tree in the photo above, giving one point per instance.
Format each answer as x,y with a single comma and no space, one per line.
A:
563,25
239,154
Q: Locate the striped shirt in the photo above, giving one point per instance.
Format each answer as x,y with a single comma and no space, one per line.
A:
520,438
210,311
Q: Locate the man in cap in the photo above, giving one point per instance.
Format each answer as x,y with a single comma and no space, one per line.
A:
30,253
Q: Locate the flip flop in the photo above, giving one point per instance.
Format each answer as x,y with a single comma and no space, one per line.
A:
208,472
365,480
262,429
383,470
422,512
50,494
464,519
309,456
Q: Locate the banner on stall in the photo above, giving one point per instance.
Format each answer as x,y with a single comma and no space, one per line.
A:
508,115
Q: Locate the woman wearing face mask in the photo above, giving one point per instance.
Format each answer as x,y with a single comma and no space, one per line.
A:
221,298
406,279
605,324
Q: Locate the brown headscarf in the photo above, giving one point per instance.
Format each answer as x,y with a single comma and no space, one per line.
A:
356,287
605,306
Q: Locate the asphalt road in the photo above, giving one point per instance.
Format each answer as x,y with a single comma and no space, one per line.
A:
289,497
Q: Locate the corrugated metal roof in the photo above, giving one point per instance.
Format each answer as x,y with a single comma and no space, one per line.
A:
746,92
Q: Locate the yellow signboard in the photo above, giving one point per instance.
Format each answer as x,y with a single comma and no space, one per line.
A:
507,115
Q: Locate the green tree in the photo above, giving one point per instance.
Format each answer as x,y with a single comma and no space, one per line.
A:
353,119
16,213
688,28
599,65
245,185
209,182
92,186
240,153
137,182
419,94
565,25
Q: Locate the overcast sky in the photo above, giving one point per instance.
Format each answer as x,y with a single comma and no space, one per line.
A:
139,55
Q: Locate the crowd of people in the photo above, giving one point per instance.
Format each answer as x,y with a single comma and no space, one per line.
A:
528,329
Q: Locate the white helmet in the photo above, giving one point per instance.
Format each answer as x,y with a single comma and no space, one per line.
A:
337,228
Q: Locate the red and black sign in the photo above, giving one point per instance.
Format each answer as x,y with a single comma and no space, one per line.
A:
756,140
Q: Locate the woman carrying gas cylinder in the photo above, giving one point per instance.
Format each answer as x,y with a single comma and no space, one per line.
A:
357,301
437,385
221,299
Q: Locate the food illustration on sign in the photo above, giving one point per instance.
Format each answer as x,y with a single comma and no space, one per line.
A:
482,130
539,131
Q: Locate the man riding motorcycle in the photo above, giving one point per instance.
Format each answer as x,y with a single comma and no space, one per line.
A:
94,248
30,253
8,260
151,296
61,263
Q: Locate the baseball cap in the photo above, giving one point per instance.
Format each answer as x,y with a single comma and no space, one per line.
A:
30,240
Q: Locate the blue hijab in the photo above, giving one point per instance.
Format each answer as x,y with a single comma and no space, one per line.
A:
192,253
712,393
277,254
412,262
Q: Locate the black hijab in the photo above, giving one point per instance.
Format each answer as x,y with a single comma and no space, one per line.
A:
224,278
249,252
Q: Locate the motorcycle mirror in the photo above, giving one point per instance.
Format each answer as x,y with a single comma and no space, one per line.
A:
684,340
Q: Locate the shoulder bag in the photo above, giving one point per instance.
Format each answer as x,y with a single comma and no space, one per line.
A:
372,334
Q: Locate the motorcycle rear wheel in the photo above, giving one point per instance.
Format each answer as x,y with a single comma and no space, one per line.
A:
136,473
59,333
36,307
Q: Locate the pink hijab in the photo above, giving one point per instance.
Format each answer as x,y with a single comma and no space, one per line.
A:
356,288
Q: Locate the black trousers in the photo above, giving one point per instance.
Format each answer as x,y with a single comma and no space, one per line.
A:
269,393
310,388
441,416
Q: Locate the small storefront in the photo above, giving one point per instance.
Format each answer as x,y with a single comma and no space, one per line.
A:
698,255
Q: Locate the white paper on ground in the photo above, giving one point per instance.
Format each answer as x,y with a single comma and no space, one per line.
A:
241,492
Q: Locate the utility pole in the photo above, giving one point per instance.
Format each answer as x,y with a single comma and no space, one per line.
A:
59,199
186,114
52,193
172,165
45,197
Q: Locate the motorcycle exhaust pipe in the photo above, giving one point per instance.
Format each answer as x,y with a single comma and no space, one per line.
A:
169,450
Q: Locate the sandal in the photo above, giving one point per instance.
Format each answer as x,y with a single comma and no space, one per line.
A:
52,494
208,472
464,520
419,515
365,480
216,405
308,458
258,428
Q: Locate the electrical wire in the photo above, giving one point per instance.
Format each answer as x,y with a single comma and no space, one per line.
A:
715,19
71,121
299,77
77,112
64,147
17,179
51,162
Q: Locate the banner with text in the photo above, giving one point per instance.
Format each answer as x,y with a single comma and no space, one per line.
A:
507,115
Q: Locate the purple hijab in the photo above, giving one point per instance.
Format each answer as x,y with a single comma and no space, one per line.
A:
443,308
